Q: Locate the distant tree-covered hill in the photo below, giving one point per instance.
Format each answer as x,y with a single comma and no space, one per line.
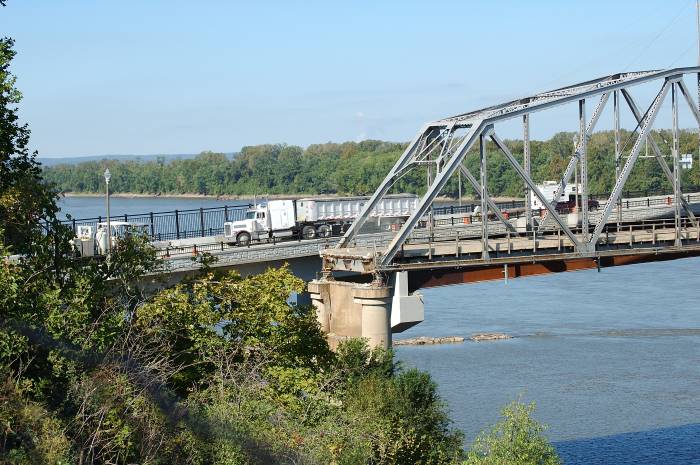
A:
53,161
358,168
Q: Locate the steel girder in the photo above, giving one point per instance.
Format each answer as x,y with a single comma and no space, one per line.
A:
479,124
526,166
566,95
381,190
569,171
675,148
441,178
657,152
531,184
491,204
631,159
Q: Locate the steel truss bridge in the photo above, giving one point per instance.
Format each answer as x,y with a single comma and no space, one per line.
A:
551,242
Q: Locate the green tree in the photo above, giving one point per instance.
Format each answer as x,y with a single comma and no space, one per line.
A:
516,439
26,202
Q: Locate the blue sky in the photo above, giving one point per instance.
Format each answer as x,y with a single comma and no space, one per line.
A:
147,77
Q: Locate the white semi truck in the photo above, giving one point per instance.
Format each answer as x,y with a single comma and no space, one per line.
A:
310,218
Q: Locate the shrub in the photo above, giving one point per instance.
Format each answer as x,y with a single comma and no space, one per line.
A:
515,440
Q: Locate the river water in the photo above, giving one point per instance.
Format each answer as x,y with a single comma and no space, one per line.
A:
612,359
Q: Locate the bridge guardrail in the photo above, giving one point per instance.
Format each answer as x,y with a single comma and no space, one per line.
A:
183,257
498,230
176,224
205,222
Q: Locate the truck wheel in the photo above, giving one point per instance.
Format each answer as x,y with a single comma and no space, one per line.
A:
324,231
308,232
243,239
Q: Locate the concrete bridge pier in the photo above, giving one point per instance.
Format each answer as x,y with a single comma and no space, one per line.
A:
367,310
375,304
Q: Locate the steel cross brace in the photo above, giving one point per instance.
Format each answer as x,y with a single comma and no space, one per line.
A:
531,184
676,168
382,189
574,156
433,190
631,159
657,152
686,94
492,205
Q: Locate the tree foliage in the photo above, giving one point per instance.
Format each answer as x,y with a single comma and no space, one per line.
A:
26,202
516,439
358,168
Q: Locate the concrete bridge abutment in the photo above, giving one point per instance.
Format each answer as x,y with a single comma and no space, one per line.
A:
365,310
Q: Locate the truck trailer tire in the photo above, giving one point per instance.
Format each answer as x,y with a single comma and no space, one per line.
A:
308,232
324,231
243,239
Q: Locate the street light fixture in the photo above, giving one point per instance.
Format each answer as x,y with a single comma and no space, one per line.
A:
108,176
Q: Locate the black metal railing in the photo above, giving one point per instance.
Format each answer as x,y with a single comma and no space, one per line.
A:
204,222
177,224
469,208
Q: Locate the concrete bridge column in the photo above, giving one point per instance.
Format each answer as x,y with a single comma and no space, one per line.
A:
349,310
319,296
375,305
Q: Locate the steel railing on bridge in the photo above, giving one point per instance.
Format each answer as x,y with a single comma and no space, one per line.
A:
176,224
207,222
204,222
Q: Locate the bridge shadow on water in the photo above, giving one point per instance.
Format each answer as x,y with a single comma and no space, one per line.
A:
678,445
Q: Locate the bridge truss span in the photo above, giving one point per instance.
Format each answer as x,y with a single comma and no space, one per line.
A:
441,147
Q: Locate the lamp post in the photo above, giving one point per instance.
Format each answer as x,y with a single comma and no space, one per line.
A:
108,176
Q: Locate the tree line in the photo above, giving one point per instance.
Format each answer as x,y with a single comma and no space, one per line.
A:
357,168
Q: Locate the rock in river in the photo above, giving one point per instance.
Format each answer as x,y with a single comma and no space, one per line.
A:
423,340
488,337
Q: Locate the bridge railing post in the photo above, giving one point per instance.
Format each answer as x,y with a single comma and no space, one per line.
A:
631,245
150,217
559,239
534,241
177,225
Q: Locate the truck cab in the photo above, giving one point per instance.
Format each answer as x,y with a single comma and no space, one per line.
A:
276,218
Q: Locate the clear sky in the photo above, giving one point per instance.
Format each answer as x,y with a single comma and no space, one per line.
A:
169,76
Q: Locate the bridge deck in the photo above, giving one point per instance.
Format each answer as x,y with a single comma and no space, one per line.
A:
448,229
514,248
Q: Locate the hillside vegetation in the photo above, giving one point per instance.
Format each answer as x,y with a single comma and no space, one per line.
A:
358,168
95,369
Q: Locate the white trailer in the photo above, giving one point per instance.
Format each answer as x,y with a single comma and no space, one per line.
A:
309,218
548,189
